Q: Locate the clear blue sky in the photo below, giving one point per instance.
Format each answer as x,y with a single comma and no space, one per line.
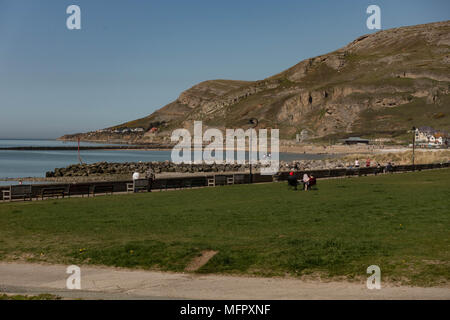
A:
133,57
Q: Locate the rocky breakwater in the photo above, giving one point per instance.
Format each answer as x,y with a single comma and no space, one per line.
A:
305,165
127,168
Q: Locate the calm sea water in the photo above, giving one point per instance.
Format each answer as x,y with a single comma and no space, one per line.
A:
20,164
45,143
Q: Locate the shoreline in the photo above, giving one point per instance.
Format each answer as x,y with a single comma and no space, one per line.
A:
301,165
72,148
286,146
335,156
294,149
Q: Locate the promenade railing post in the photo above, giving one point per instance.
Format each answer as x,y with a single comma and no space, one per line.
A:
253,122
414,147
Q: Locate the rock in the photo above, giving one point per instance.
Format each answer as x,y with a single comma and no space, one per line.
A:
98,169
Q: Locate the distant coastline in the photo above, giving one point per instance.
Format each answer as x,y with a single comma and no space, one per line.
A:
100,147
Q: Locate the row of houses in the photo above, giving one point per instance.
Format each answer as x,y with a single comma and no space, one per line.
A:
122,130
429,137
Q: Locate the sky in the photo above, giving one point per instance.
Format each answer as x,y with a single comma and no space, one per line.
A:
132,57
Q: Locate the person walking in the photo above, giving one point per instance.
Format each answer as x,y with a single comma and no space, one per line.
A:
150,175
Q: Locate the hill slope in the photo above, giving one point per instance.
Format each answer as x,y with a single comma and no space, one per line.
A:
378,85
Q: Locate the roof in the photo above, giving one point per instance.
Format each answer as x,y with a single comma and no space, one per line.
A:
427,129
356,139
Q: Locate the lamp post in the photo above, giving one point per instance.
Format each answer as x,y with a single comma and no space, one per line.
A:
414,145
253,122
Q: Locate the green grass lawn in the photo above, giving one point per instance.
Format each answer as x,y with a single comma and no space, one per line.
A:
399,222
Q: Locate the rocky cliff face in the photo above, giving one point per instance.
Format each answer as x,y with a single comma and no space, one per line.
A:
379,84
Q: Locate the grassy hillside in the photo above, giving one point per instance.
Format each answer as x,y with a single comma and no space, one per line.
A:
381,84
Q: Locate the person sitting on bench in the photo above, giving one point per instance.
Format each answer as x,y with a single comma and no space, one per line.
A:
312,181
292,180
150,175
136,176
305,182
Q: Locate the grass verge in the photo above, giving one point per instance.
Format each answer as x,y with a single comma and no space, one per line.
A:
399,222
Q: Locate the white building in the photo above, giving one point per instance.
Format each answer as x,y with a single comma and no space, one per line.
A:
427,136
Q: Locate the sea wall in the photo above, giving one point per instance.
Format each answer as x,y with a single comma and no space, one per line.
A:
108,168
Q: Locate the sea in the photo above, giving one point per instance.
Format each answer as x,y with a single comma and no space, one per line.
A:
25,163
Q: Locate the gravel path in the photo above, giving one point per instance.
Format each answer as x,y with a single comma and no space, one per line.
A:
112,283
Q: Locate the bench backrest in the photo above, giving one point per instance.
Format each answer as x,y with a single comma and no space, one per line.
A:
102,187
53,190
140,183
20,189
220,179
239,178
79,188
174,183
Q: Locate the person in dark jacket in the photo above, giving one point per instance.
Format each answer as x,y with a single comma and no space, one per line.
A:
389,167
312,181
150,175
378,169
292,180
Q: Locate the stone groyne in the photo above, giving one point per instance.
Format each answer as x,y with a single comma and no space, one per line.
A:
127,168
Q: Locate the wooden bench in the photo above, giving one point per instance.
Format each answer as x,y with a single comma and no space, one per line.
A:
103,188
211,181
53,192
187,183
130,187
174,184
198,182
139,185
220,180
80,189
18,191
239,179
157,184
